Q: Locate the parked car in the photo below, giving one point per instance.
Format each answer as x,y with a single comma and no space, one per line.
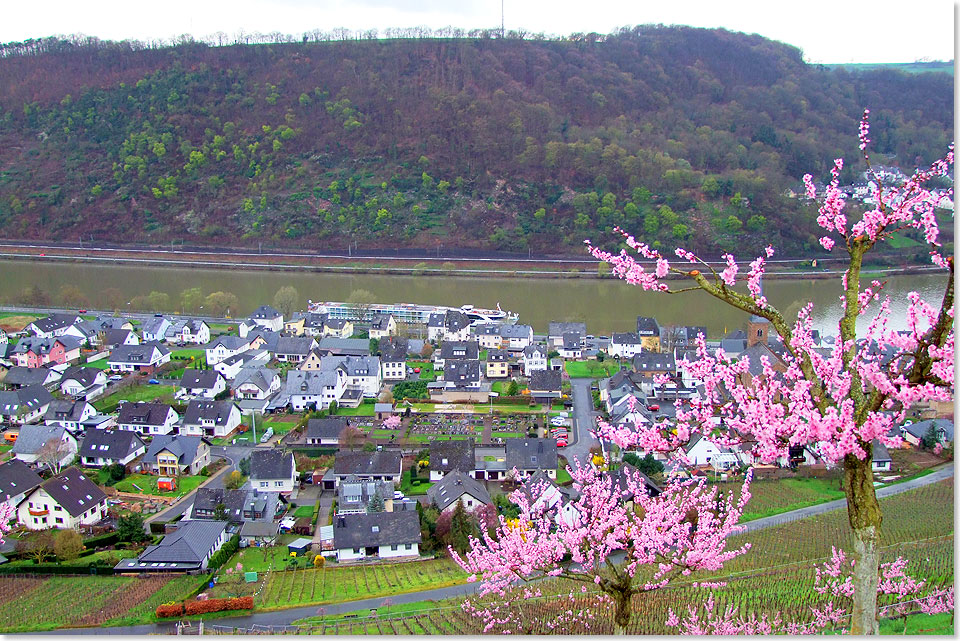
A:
409,370
153,381
116,377
416,370
397,495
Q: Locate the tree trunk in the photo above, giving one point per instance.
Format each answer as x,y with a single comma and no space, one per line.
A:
865,519
622,612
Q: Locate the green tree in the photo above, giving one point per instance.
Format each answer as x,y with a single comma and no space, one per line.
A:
130,527
374,346
462,527
67,545
220,512
234,480
244,466
513,388
158,301
286,300
732,224
191,300
376,503
756,223
220,303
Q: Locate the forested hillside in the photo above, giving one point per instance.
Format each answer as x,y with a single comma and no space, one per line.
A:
677,134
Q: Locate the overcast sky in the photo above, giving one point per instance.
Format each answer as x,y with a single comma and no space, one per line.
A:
827,31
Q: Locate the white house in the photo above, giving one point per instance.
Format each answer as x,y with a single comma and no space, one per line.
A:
381,534
624,345
361,371
68,414
267,317
452,325
382,326
16,480
24,405
148,419
223,347
310,389
534,359
155,329
83,382
146,357
272,470
196,383
210,418
67,500
109,447
188,331
255,383
457,487
516,337
699,451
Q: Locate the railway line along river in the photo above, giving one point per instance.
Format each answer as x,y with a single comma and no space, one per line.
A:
606,305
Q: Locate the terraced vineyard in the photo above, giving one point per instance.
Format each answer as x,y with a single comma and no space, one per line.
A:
304,587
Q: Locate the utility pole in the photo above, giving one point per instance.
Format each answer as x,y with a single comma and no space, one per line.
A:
503,31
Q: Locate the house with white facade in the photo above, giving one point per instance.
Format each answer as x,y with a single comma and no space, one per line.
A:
230,367
624,345
67,500
188,331
109,447
309,389
257,383
147,419
53,325
16,481
385,535
223,347
393,359
201,384
452,325
534,358
516,337
146,357
382,325
68,414
212,419
362,372
24,405
273,470
85,383
457,487
155,329
267,317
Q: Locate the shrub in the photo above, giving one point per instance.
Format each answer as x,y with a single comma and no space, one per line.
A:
169,610
223,554
101,540
218,605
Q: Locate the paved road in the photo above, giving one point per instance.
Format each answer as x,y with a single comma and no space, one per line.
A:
583,421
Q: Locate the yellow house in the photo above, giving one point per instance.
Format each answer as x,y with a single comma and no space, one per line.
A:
498,363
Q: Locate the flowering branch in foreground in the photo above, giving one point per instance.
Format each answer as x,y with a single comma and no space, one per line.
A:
622,548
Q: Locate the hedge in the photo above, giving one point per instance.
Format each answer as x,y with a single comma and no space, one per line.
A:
223,555
47,568
205,606
103,539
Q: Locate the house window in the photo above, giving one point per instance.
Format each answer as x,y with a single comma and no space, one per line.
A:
393,548
469,503
278,483
59,520
356,550
407,546
57,508
264,483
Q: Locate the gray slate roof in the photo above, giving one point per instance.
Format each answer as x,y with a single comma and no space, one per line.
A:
137,354
654,362
86,376
295,345
16,477
557,328
182,446
531,453
381,528
271,464
345,346
64,411
380,463
55,322
647,326
460,350
31,397
393,350
110,444
461,372
265,312
515,331
73,491
459,455
189,544
143,413
33,437
545,381
259,376
232,343
454,485
352,365
23,376
326,428
153,325
625,338
199,378
217,411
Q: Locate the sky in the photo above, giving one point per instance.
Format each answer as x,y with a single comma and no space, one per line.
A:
835,31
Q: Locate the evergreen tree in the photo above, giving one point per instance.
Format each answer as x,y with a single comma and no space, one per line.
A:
462,528
376,503
130,527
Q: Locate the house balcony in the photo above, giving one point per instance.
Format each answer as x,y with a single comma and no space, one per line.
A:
38,512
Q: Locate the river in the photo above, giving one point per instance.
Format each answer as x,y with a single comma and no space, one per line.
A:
606,305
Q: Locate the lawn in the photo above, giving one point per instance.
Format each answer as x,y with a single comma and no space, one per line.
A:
591,369
409,489
427,373
563,476
134,393
279,427
98,364
261,558
147,484
189,352
507,408
365,409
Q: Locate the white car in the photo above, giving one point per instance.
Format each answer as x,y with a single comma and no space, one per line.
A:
397,495
116,377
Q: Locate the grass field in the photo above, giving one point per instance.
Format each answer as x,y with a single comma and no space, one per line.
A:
148,484
409,489
98,364
134,393
774,497
427,373
591,369
364,409
15,321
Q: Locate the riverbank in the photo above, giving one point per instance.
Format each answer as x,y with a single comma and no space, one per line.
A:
555,267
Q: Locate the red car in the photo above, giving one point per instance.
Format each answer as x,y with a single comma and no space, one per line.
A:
416,370
561,442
